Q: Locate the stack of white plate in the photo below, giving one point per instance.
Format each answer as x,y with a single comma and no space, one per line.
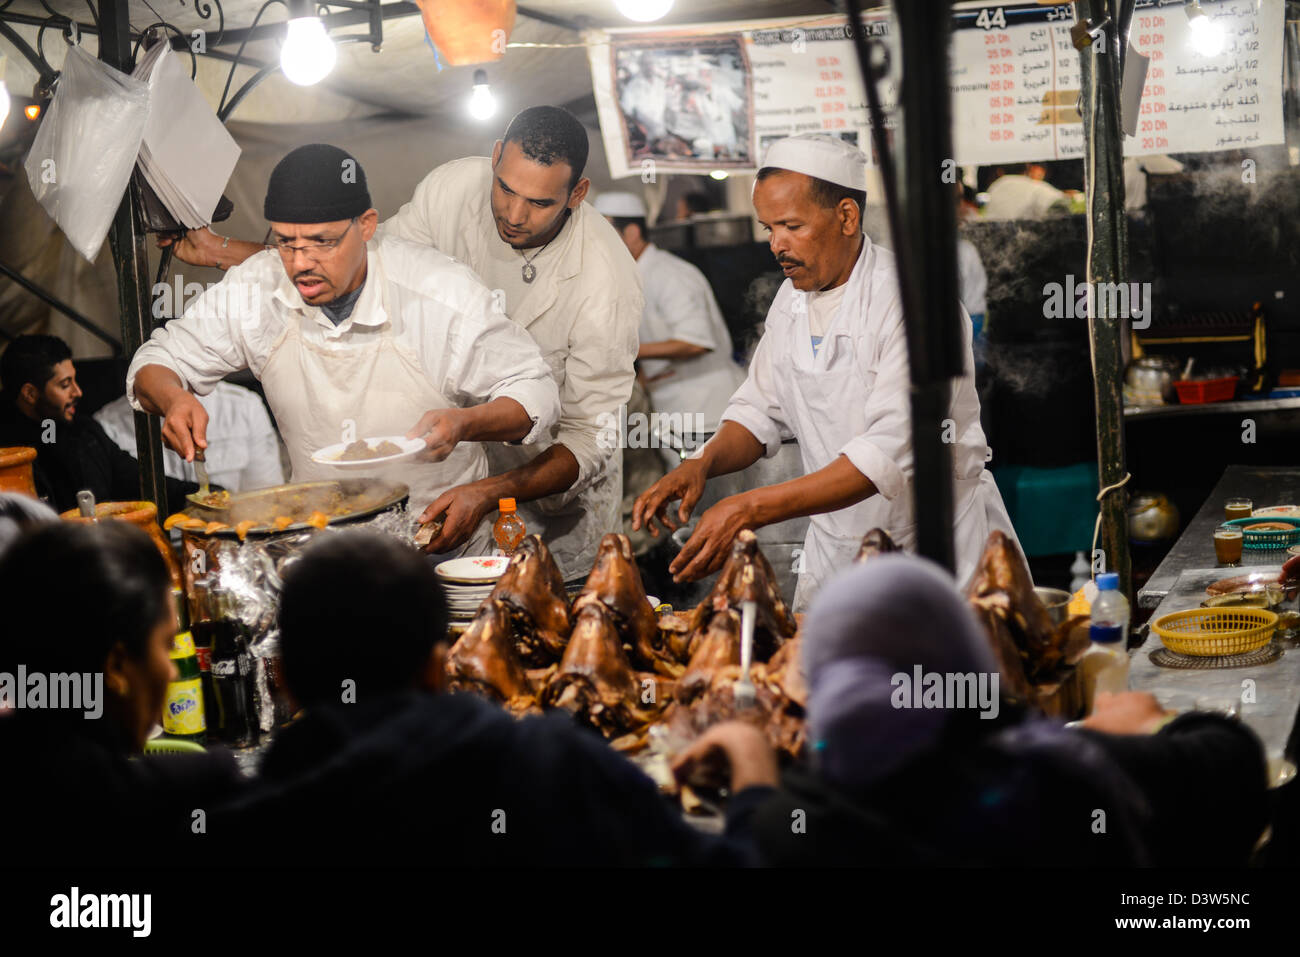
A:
468,581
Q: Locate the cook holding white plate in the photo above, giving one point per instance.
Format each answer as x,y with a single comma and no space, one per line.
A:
352,337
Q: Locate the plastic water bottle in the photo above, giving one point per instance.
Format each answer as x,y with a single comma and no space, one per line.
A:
1105,663
1080,573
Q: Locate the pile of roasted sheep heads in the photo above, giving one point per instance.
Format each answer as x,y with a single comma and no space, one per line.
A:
611,662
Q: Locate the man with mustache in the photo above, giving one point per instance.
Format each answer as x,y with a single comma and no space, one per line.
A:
351,336
558,270
832,372
38,408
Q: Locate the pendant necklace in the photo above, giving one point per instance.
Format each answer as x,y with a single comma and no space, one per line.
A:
530,271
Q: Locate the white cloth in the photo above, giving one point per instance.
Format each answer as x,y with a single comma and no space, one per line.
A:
582,310
425,334
1136,171
821,156
679,304
852,399
972,281
1022,197
822,307
243,450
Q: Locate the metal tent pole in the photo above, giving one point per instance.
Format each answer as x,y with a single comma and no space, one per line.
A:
131,259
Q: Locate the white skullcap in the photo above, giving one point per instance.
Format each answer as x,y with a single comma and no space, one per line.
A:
821,156
622,205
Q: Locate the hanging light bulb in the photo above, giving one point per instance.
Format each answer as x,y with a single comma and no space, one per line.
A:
308,54
1207,36
482,104
718,174
643,11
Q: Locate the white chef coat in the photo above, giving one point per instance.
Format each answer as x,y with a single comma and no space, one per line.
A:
582,310
679,304
972,281
425,334
243,450
1017,196
852,399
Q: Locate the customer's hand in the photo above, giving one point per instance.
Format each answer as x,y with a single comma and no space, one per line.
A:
732,750
1129,712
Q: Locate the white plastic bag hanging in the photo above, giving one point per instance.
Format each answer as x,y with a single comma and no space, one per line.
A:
85,149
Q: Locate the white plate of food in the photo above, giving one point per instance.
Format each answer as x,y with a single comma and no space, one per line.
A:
368,452
1277,511
474,570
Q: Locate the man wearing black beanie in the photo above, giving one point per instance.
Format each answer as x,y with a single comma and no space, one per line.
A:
352,336
519,221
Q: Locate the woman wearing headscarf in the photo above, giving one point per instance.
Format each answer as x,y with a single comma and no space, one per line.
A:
894,783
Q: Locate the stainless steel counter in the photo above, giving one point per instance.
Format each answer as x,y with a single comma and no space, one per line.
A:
1195,547
1272,690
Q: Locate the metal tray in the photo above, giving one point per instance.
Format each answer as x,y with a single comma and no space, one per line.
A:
372,496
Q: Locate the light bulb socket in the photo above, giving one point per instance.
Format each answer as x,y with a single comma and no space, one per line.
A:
1193,10
298,9
480,78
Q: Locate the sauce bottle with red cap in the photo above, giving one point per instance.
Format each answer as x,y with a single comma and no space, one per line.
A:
509,529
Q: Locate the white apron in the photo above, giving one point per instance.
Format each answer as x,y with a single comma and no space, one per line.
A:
369,380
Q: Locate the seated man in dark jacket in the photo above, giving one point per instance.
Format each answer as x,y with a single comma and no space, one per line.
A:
38,408
382,768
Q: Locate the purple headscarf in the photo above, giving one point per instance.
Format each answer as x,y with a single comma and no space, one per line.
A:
894,615
871,624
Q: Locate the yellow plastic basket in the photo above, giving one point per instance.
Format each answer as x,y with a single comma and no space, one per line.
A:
1216,631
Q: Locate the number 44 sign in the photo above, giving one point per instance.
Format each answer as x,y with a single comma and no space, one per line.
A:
995,19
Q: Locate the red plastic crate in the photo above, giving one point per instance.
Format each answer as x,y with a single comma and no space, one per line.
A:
1200,391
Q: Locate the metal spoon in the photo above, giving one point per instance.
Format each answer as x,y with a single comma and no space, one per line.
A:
201,470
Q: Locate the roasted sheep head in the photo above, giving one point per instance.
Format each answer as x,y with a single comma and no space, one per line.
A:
779,717
532,589
747,576
616,582
484,661
718,648
595,682
875,542
1029,648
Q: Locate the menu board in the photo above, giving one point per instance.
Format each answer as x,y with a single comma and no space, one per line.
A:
693,99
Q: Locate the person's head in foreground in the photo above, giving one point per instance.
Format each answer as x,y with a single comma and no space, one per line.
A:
21,513
537,176
113,580
904,713
809,196
321,219
39,379
362,614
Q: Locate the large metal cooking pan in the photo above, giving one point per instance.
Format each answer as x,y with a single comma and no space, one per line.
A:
343,500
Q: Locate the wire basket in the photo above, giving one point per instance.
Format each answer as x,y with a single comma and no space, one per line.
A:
1264,540
1216,631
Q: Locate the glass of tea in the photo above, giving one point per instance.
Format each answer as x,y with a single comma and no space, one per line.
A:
1227,544
1238,508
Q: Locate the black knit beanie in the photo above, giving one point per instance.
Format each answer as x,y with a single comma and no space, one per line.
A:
316,184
